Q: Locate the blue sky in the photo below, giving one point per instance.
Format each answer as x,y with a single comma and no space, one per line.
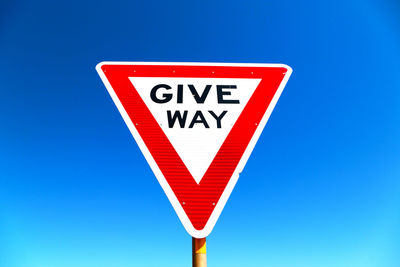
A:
321,188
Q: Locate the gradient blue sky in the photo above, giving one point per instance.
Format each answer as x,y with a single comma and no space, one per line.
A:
322,187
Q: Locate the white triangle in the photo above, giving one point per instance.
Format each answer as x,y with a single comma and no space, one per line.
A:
196,146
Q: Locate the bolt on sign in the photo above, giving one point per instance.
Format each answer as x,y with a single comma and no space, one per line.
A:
196,124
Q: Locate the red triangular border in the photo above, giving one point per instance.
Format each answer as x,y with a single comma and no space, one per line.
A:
198,201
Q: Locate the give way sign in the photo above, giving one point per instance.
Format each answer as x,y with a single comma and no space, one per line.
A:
196,124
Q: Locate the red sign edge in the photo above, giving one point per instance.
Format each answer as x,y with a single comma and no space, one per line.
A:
153,165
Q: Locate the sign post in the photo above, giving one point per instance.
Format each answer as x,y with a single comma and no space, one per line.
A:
199,252
196,124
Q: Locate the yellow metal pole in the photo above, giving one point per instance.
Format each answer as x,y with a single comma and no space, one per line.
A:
199,252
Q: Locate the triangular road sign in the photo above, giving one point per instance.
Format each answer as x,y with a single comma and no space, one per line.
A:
196,124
